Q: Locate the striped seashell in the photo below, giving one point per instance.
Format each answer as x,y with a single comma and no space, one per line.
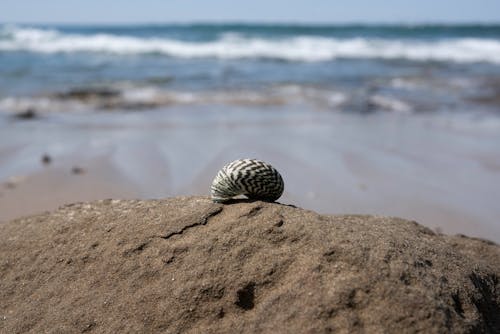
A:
250,177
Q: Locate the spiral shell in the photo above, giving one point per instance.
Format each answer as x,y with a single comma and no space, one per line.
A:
250,177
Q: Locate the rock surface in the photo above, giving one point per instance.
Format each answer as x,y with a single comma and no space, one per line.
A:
187,265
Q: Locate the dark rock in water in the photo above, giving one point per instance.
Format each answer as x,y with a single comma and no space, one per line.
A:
159,80
77,170
187,265
88,93
107,99
46,159
127,105
27,114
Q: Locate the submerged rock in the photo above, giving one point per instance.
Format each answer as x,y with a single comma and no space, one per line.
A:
27,114
88,93
77,170
46,159
187,265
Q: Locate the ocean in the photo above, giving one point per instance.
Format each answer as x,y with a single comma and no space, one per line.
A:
399,120
352,68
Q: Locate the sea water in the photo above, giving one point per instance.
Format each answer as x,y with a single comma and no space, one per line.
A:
351,68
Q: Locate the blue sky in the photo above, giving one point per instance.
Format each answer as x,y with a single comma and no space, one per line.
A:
305,11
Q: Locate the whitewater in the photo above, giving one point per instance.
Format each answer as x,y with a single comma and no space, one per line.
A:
237,45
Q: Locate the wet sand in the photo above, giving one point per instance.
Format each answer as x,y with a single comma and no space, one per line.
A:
51,187
442,172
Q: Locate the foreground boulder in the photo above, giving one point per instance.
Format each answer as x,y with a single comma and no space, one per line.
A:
187,265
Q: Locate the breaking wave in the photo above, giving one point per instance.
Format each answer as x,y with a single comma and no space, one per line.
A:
236,46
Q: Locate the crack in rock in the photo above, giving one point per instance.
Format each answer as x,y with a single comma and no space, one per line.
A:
137,249
185,228
253,212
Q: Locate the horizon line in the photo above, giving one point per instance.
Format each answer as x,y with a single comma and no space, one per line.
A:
442,23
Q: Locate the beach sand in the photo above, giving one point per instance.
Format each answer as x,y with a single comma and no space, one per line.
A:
51,187
436,170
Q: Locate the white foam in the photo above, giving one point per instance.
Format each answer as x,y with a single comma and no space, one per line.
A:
40,104
299,48
407,84
390,104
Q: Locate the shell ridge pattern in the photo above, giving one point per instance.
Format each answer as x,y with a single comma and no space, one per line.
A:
253,178
224,183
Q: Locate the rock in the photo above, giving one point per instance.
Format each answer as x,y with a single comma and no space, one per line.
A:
77,170
107,99
88,93
27,114
187,265
46,159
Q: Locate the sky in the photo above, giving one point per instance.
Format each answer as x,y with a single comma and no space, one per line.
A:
284,11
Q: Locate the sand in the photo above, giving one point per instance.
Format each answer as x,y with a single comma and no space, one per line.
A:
436,170
53,186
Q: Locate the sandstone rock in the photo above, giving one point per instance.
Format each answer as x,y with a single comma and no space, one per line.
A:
187,265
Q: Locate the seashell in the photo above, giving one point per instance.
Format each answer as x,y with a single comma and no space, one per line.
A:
253,178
